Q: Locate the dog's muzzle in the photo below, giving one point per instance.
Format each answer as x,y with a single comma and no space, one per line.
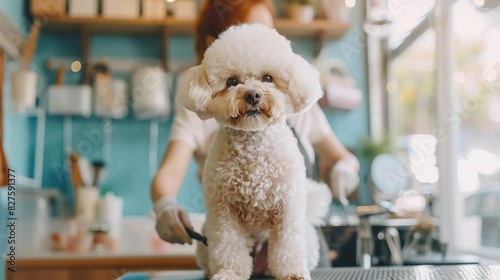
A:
253,97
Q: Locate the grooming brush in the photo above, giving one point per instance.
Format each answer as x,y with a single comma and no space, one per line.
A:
193,234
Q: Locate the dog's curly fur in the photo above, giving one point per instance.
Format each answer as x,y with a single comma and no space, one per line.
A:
254,181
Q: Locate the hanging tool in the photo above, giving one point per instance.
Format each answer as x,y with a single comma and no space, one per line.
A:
30,47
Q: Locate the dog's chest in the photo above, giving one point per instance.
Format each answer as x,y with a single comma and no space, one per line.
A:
255,172
253,191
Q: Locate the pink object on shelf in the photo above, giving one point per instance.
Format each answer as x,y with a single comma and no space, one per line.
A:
338,96
340,89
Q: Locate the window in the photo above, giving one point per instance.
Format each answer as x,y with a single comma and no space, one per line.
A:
475,84
412,84
476,42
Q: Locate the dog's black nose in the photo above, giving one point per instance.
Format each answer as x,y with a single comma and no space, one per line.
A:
253,96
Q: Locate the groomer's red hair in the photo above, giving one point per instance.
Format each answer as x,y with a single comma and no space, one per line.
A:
217,15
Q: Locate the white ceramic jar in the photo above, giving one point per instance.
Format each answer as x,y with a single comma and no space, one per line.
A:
154,9
123,9
111,98
185,9
24,87
150,92
70,100
83,8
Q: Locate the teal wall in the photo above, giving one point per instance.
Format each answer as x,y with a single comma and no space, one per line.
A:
18,129
15,10
128,172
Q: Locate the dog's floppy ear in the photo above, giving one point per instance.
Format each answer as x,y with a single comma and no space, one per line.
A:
304,86
194,91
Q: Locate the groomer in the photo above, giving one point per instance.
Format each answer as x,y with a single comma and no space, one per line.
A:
191,136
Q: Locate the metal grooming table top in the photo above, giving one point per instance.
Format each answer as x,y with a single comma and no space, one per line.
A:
458,272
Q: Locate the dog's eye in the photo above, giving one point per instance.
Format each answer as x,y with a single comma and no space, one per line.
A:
267,79
231,82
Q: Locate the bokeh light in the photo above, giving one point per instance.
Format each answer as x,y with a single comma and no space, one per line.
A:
485,162
76,66
459,77
350,3
468,179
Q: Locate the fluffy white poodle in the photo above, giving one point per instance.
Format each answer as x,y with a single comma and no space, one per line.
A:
254,181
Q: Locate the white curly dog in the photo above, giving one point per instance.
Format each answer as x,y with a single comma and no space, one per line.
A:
254,181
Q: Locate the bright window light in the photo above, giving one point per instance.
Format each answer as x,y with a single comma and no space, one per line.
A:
489,74
459,77
486,163
427,174
491,40
468,179
479,3
493,108
467,22
405,14
391,87
424,143
350,3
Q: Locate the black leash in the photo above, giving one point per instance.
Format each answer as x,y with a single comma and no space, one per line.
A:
310,170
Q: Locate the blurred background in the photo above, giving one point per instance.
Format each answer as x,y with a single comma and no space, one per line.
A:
411,89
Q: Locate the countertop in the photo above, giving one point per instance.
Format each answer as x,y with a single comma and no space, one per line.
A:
173,250
99,266
177,256
137,234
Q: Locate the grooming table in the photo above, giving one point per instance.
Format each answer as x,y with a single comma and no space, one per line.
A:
458,272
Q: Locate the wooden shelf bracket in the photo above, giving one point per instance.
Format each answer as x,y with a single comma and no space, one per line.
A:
86,38
165,35
320,41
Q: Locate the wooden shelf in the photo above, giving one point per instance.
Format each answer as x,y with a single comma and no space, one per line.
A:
119,26
318,30
289,28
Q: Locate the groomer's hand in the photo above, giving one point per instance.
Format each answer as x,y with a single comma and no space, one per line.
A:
344,179
171,221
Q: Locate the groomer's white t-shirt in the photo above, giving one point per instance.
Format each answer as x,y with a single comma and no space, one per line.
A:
311,127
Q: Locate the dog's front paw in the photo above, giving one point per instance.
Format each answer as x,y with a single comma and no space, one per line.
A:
207,274
296,277
226,274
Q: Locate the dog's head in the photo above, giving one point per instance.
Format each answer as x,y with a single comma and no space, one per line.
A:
249,79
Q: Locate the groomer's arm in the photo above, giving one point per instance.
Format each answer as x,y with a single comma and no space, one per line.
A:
168,179
338,167
332,151
171,219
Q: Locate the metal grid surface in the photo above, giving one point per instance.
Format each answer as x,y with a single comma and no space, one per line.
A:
459,272
463,272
